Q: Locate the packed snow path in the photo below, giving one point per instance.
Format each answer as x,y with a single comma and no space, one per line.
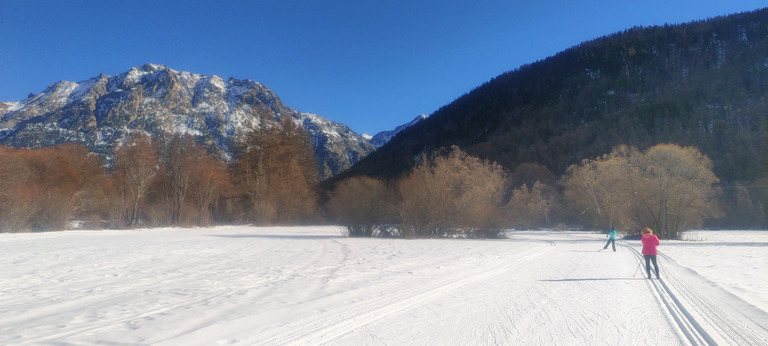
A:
308,285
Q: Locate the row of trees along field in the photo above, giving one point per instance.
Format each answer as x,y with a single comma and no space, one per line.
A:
273,180
170,181
667,187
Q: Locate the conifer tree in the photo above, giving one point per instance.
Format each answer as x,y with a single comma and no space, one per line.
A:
277,173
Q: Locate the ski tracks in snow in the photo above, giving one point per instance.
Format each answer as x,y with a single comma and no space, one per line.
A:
323,328
276,286
699,319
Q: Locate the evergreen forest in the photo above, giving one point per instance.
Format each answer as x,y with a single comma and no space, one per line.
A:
701,84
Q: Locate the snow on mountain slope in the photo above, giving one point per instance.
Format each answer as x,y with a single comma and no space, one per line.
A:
103,111
383,137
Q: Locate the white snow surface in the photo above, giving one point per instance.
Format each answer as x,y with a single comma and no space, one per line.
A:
14,105
81,89
383,137
311,285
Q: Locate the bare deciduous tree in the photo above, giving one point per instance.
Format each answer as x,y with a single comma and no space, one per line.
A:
668,187
600,189
451,195
676,188
93,184
530,206
365,206
17,196
180,159
211,180
45,189
136,165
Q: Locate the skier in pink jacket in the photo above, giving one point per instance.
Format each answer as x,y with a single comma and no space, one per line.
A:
650,242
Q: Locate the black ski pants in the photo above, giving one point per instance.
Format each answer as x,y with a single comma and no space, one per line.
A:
648,260
610,242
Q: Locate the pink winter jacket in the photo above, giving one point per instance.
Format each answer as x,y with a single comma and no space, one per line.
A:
650,242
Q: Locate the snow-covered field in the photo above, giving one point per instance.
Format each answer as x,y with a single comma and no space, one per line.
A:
309,285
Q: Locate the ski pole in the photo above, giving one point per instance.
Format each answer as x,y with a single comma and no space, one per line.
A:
638,268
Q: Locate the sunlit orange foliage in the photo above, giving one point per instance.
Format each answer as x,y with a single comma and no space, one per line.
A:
136,165
46,188
188,184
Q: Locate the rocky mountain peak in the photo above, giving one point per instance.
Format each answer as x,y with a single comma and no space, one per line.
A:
383,137
103,111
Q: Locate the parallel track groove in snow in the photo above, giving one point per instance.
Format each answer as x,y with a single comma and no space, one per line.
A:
309,285
322,329
725,328
701,320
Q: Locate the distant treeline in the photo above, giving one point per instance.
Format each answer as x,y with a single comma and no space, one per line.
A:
449,193
452,194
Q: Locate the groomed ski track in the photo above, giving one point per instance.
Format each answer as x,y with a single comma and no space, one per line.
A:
529,310
310,286
701,319
322,329
690,317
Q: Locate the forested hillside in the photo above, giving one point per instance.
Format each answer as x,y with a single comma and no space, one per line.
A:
702,84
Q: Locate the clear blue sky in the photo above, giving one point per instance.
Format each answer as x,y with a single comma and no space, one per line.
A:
370,64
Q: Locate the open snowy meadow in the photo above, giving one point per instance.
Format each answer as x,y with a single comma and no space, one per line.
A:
311,285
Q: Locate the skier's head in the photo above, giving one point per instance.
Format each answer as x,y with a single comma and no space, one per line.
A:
647,232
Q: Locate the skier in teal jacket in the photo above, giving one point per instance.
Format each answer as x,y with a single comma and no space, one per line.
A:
611,239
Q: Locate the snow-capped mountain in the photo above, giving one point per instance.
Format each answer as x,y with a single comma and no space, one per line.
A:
383,137
102,112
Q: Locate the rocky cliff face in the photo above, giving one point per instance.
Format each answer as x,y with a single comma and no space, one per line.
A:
102,112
